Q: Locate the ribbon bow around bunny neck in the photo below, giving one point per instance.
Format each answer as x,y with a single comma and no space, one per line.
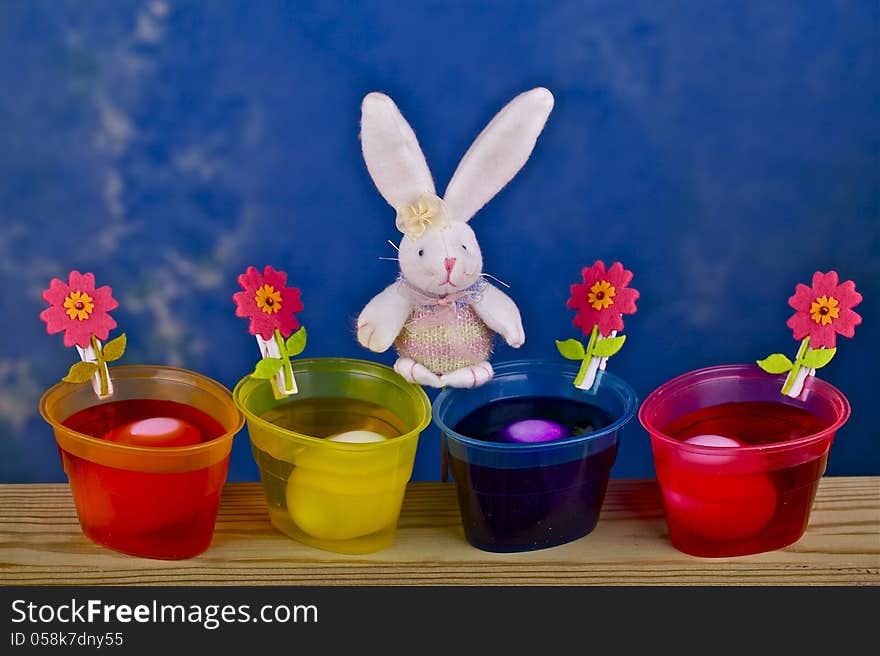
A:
426,211
421,298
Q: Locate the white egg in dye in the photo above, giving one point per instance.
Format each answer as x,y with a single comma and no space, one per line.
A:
724,497
718,442
712,440
358,437
156,432
342,494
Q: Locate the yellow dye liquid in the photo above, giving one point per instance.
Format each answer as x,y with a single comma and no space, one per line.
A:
336,496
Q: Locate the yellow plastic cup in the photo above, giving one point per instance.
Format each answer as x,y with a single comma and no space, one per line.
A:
155,502
337,496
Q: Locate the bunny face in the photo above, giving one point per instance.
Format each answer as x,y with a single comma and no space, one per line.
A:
442,260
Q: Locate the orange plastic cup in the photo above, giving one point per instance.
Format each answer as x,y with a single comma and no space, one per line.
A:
151,501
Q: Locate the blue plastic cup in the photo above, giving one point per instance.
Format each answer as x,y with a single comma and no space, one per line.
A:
527,496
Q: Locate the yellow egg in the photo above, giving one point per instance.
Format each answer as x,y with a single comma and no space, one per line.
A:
336,494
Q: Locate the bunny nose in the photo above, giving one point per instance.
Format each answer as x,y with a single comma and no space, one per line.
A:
450,263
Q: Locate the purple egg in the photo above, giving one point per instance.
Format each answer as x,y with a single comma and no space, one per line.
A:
533,430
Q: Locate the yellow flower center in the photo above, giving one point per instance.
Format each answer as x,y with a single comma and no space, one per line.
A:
268,299
79,306
824,309
601,295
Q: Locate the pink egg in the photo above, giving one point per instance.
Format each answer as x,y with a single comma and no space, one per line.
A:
723,495
720,507
156,431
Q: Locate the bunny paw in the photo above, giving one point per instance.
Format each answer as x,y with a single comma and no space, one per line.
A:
472,376
417,373
375,337
515,337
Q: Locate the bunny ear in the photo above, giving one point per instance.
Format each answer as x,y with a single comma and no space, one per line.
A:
498,153
392,153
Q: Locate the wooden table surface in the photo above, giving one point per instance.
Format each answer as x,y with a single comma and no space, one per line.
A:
41,543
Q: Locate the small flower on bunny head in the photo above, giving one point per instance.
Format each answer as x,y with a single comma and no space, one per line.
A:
428,210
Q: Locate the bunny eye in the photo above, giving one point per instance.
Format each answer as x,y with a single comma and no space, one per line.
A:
421,252
464,247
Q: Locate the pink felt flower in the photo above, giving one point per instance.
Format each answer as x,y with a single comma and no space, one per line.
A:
268,302
79,309
602,298
824,310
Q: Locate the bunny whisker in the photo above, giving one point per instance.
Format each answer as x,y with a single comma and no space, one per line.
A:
394,246
498,280
390,259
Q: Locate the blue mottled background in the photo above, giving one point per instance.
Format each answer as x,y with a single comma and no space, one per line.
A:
723,151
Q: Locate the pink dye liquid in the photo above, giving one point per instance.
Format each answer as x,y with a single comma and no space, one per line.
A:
738,504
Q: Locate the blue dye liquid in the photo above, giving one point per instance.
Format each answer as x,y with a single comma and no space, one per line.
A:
530,508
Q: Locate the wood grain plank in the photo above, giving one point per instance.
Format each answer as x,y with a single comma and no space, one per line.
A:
41,544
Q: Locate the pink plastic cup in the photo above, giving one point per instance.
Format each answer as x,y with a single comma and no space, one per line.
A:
736,500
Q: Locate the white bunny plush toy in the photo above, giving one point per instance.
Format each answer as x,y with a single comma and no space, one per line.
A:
441,313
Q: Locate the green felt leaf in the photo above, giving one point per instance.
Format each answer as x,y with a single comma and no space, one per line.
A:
81,372
605,348
571,349
818,358
267,367
776,364
113,350
296,343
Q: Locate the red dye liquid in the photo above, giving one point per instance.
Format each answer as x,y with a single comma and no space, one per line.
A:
158,515
733,503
